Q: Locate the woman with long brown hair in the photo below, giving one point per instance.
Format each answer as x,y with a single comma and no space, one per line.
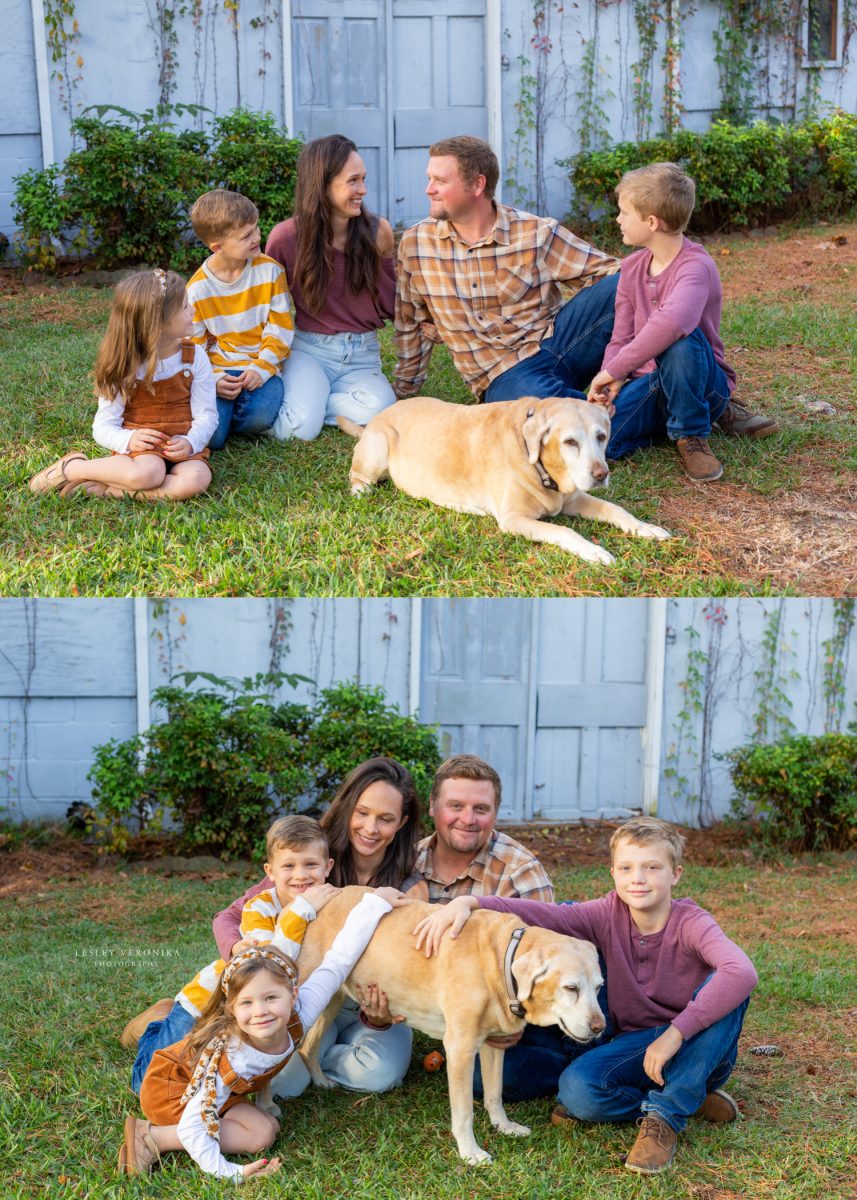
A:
339,263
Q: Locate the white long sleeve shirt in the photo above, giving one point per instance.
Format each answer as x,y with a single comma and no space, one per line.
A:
107,424
248,1062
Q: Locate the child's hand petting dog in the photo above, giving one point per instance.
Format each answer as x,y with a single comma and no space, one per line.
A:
320,894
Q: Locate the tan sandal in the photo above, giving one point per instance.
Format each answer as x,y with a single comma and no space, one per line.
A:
52,478
89,487
139,1151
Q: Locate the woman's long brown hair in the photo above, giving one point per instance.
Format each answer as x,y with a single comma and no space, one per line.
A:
398,862
318,163
141,305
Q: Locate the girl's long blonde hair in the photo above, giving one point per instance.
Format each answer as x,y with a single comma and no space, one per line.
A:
141,305
217,1019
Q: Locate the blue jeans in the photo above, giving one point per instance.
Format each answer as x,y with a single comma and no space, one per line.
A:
682,397
176,1025
608,1083
330,375
568,360
249,412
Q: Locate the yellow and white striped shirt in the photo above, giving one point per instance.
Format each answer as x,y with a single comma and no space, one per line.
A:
264,921
246,323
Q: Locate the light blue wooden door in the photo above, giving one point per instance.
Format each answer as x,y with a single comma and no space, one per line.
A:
395,76
339,85
552,693
438,69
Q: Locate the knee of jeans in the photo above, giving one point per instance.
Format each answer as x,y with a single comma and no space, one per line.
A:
577,1093
369,402
683,355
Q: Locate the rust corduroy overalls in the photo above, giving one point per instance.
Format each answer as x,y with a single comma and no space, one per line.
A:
165,408
169,1073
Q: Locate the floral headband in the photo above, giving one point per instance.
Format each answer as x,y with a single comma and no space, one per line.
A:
161,277
246,956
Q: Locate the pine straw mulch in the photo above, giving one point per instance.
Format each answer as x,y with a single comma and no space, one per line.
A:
805,539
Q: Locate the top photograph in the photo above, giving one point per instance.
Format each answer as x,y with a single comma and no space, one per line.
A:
498,298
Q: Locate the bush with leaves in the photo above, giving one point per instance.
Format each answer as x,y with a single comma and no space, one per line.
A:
745,175
226,759
125,194
800,792
220,763
350,723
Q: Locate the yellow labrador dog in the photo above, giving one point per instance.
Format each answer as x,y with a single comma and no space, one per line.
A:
496,976
517,461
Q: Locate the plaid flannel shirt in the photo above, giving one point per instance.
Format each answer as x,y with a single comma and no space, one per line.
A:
503,867
491,302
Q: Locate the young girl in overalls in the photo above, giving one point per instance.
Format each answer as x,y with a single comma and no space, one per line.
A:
195,1093
156,401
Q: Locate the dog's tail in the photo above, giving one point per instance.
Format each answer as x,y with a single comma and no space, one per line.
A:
350,427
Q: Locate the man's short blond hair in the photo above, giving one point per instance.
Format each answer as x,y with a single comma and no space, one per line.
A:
474,156
649,831
661,190
293,833
466,766
215,214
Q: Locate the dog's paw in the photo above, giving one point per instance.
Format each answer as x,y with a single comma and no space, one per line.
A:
645,530
359,488
513,1129
477,1156
270,1107
591,553
321,1080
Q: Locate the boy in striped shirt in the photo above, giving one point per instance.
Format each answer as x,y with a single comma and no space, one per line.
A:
242,314
298,864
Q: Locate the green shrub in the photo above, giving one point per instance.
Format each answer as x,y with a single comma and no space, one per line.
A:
252,155
351,723
219,764
745,174
225,760
124,195
801,791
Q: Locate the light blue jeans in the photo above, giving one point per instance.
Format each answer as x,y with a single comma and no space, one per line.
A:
353,1056
330,375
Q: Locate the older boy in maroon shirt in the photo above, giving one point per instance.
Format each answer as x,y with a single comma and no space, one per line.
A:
677,991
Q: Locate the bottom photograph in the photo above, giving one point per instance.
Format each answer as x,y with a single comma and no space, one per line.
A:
428,898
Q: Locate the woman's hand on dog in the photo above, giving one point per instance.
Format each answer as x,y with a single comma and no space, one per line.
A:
373,1004
448,918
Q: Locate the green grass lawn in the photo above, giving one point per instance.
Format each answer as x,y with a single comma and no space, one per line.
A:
279,519
81,957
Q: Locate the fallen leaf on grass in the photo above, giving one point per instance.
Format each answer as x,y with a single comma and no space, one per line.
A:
412,554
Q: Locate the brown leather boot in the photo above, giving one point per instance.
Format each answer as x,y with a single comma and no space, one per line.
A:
136,1027
698,459
654,1148
562,1117
717,1106
737,420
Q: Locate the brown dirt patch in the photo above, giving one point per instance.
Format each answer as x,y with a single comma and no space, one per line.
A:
808,264
806,539
588,844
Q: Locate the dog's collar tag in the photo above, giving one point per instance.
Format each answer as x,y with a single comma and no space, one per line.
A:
516,1008
547,481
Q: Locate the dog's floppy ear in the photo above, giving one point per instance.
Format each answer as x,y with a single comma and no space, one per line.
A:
536,428
527,970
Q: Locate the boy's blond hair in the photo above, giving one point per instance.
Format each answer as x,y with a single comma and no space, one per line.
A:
294,831
215,214
645,831
661,190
